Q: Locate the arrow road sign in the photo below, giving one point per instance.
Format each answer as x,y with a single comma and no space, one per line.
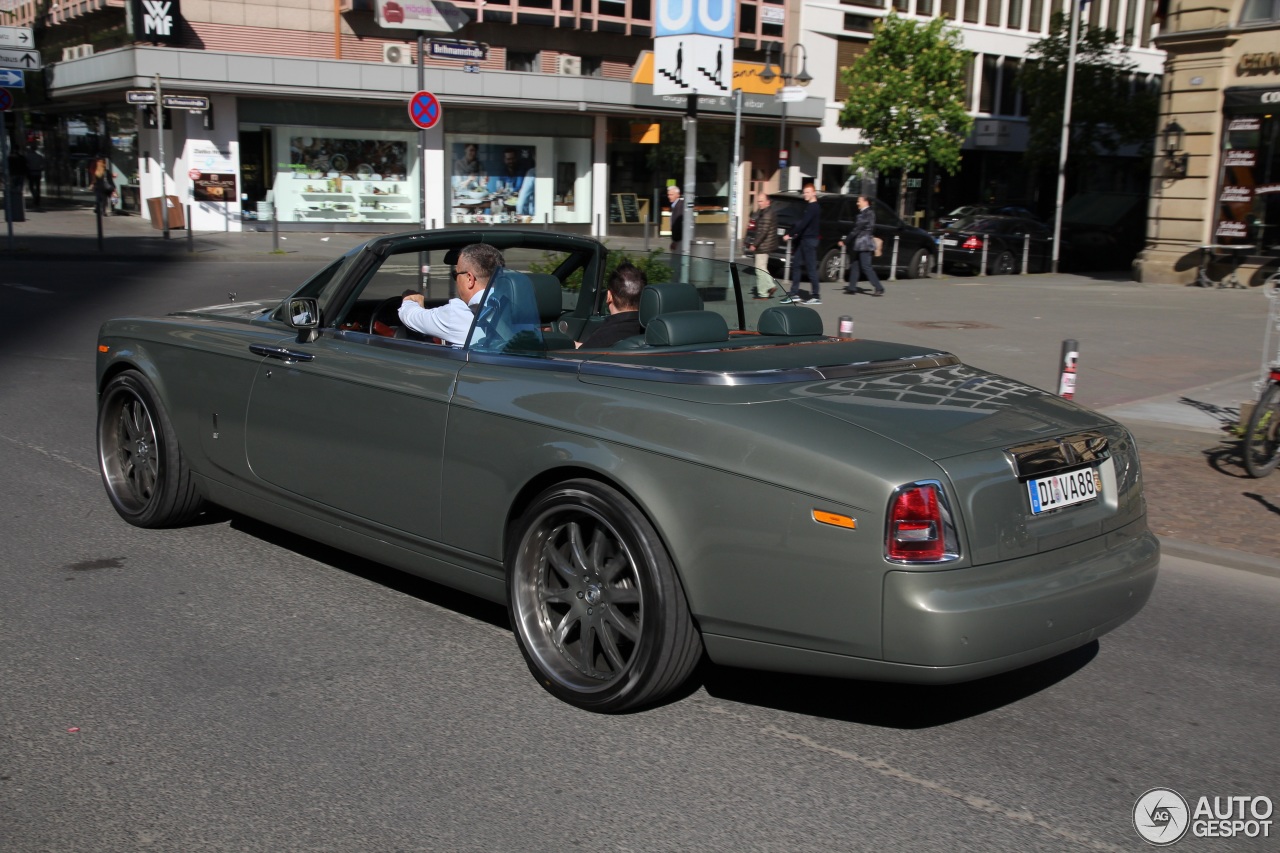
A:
12,79
140,96
28,60
19,37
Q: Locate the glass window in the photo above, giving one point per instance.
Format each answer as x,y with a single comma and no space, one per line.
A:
336,175
1035,16
1249,183
971,9
990,83
1256,11
1014,20
993,13
520,61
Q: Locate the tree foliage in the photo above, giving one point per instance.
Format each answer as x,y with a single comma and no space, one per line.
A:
907,96
1107,110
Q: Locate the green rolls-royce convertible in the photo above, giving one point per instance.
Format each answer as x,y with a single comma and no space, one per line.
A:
731,483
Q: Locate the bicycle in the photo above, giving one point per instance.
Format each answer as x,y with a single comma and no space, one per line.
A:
1261,441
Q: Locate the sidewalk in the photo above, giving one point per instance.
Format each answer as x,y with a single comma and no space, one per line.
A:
1172,364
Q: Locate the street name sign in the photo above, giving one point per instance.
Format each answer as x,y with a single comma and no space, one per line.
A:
140,96
19,37
13,79
27,60
789,94
185,102
454,49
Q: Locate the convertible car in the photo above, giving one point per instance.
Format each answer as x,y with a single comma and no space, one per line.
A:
732,483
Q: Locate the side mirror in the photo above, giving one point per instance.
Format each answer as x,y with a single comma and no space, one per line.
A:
303,313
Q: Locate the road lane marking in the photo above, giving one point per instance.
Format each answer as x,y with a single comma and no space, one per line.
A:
51,454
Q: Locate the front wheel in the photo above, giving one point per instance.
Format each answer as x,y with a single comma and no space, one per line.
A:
147,479
598,611
1262,435
1003,264
919,265
829,267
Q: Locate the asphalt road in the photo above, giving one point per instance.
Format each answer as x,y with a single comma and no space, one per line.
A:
231,687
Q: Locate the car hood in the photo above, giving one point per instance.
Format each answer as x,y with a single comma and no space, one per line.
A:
232,310
950,410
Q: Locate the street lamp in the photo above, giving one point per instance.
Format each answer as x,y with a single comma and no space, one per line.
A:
803,78
1175,163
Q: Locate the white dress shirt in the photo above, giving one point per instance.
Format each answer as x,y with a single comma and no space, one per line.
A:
450,322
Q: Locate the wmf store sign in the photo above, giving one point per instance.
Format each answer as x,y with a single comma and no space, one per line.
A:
693,47
155,20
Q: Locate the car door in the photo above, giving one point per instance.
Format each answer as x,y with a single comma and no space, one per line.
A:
354,421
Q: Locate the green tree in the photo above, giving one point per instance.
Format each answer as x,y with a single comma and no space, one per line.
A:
1108,110
906,94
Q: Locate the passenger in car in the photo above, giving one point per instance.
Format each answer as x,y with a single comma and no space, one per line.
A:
451,321
623,300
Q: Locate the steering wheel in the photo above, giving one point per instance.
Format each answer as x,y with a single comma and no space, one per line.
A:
386,315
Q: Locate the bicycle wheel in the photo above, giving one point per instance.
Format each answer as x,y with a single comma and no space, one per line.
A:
1262,435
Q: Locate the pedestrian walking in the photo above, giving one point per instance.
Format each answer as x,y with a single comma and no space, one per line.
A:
104,186
17,177
35,172
762,239
804,232
861,244
677,218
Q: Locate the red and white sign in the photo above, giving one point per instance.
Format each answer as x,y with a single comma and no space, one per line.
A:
424,110
6,100
193,174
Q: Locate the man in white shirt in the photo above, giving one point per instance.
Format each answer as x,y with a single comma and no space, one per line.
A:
451,321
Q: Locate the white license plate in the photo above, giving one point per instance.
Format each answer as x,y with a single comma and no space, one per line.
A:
950,243
1061,490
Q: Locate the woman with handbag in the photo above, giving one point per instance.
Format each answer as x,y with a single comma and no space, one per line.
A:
862,243
104,186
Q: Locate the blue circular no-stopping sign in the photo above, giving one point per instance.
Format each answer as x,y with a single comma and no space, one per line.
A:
424,110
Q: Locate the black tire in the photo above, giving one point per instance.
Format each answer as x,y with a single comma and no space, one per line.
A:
1003,264
142,467
598,611
919,265
829,266
1261,444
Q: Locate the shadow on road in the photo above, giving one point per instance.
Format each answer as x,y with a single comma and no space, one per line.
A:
895,706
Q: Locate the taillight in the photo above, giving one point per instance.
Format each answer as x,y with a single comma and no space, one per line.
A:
920,529
972,243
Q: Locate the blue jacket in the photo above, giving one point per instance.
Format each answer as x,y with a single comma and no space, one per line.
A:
806,227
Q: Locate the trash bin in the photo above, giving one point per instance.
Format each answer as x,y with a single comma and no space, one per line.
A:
156,205
266,211
702,271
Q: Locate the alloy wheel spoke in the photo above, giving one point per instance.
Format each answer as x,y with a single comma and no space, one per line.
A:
611,651
626,627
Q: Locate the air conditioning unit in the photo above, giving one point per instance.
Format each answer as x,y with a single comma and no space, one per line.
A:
571,65
77,51
396,54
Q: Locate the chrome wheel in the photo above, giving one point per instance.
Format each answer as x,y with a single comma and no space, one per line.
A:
919,265
142,468
597,609
1003,264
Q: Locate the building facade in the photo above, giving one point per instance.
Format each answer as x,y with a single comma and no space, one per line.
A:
1215,194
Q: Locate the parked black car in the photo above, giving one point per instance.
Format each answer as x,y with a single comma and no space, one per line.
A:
1003,241
916,248
965,211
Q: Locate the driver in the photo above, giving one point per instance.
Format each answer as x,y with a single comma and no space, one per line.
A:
451,321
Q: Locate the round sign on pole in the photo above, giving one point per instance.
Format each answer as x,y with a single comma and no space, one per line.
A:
424,110
6,100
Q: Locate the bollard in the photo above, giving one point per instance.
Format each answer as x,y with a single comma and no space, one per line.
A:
98,212
846,327
985,244
191,235
275,231
1026,253
942,248
1067,379
893,260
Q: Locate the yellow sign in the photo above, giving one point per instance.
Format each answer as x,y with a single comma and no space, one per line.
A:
646,134
746,76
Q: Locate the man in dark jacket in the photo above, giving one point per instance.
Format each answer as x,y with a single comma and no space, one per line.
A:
623,300
804,232
862,244
764,233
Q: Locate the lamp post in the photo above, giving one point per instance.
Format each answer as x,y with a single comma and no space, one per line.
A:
803,78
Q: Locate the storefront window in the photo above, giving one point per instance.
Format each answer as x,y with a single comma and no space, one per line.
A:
1249,186
328,175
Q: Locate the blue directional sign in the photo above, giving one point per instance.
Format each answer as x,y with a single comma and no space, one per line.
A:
424,110
12,79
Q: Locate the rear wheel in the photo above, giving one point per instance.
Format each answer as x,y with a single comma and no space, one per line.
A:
1262,435
1003,264
142,467
598,610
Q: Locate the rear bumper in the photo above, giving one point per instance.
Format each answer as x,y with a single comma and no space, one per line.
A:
984,613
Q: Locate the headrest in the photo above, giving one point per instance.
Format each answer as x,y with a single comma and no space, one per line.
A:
793,321
546,289
667,298
686,327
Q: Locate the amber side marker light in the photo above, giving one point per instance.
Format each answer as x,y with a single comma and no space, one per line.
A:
103,348
833,519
